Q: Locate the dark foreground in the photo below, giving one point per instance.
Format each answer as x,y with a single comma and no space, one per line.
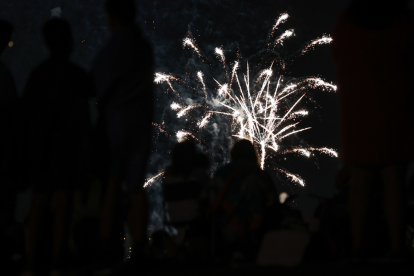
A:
321,268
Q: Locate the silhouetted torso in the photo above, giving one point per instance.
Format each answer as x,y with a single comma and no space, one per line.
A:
240,194
8,90
123,73
181,194
8,117
57,118
374,76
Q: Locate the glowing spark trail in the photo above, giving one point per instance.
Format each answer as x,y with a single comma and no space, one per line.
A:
304,152
200,76
330,152
284,36
298,113
223,89
160,128
260,110
319,41
159,77
293,132
204,121
184,111
294,178
220,53
191,43
317,82
282,18
181,135
307,151
152,179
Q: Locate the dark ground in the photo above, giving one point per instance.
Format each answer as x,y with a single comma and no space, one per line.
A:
321,268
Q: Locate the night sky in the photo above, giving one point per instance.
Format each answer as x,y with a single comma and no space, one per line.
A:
240,24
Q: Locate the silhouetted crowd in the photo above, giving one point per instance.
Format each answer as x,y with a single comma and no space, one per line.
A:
87,178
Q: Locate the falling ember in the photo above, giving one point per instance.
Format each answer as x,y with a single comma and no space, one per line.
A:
204,121
303,152
200,77
286,128
184,111
307,151
263,148
282,19
152,179
293,132
298,113
159,77
175,106
220,53
261,111
293,177
267,72
160,128
328,151
223,89
235,67
182,134
317,82
284,36
191,43
319,41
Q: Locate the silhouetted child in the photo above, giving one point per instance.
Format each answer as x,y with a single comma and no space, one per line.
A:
8,126
8,105
182,185
239,195
56,121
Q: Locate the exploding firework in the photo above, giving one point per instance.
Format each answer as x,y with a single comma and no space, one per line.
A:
261,107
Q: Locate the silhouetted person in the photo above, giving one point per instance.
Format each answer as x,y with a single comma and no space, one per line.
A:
8,124
123,73
373,54
56,121
185,159
182,185
239,195
8,102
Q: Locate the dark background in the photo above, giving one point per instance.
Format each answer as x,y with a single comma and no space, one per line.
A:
243,24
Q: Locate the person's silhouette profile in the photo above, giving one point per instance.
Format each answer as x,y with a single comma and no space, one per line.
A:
123,73
56,121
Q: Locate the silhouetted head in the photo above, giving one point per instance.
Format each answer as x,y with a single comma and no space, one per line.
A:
376,14
182,158
58,37
182,152
201,161
6,29
119,13
243,150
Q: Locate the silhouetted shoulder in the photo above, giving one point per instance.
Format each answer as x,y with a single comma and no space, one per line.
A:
240,166
126,55
57,76
55,66
8,93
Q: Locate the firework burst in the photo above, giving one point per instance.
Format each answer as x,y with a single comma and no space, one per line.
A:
261,107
